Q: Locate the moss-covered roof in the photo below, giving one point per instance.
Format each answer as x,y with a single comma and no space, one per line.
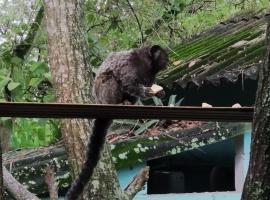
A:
231,49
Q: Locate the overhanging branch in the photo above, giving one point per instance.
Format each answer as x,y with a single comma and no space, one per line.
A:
24,47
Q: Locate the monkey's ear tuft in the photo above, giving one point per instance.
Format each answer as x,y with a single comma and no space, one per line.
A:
155,51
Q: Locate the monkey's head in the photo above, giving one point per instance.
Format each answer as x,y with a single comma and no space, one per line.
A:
159,58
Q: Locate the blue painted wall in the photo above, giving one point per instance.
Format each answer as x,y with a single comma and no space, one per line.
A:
192,196
126,176
247,142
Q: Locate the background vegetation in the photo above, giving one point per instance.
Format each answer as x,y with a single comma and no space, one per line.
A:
112,25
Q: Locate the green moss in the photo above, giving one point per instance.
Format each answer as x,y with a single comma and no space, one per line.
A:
188,50
213,48
149,147
239,59
135,150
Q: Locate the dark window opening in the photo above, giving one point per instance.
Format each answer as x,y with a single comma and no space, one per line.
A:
191,179
202,170
224,94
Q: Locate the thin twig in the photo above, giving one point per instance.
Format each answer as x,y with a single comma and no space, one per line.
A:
51,182
138,22
99,24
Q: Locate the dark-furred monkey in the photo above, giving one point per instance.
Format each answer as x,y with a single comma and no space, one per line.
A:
121,79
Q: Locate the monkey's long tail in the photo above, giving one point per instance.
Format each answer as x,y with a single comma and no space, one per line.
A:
95,146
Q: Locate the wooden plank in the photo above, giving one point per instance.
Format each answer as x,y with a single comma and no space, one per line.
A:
60,110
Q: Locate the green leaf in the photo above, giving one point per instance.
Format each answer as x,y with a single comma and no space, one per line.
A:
172,100
90,18
48,76
178,103
16,60
6,56
157,101
34,82
113,25
24,26
145,126
126,121
4,82
92,39
94,70
17,30
3,71
13,85
39,68
139,102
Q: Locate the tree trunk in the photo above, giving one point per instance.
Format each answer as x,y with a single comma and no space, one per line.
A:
69,64
5,135
257,184
1,174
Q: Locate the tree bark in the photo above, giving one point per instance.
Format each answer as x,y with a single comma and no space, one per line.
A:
16,189
137,183
5,136
1,173
51,182
69,64
257,183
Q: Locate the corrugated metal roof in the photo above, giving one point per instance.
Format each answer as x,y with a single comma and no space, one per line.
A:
231,50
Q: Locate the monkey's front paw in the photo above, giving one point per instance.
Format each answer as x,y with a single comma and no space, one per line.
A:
160,94
147,92
126,103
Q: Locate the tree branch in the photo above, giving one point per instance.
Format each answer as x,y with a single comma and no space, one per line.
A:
137,183
24,47
99,24
138,22
51,182
16,189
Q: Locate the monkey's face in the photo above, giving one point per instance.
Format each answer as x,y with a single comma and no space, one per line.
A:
159,57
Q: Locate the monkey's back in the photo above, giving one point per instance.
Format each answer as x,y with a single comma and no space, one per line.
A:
108,77
115,62
121,70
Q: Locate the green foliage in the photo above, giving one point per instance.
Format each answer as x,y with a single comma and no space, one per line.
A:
140,126
13,85
25,79
3,82
112,25
145,125
29,81
174,102
157,101
34,132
